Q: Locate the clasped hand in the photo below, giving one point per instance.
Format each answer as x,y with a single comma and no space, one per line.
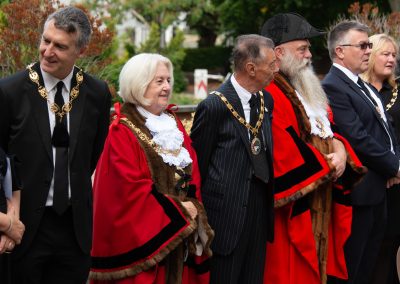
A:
13,234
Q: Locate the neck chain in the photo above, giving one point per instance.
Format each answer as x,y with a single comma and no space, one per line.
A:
254,130
142,136
56,109
393,99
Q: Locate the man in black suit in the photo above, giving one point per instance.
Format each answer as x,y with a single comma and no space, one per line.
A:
231,134
54,118
360,117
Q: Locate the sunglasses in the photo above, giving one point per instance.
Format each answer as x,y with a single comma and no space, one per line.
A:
362,46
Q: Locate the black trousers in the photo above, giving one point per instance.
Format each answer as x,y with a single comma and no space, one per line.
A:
246,263
385,271
54,256
362,248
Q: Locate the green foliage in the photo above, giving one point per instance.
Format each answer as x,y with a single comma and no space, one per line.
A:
163,12
152,44
204,19
184,99
242,16
245,16
159,14
175,52
215,58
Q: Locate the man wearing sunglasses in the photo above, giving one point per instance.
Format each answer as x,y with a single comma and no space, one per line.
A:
360,117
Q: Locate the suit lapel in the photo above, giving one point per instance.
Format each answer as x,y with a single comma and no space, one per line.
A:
229,92
76,113
40,111
359,92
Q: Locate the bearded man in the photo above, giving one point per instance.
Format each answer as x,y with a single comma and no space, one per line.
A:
309,165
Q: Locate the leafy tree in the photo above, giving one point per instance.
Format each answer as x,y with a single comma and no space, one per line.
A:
204,18
241,17
20,31
247,16
160,14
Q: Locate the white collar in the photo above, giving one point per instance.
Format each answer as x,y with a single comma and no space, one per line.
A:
50,81
353,77
168,137
146,114
243,94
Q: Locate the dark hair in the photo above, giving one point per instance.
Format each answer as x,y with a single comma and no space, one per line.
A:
73,20
247,48
338,34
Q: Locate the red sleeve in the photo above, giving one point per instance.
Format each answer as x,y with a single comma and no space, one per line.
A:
135,226
298,166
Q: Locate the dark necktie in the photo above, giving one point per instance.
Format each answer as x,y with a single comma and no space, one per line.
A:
60,141
260,163
368,94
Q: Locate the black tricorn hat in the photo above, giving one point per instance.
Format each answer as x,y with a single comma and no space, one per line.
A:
286,27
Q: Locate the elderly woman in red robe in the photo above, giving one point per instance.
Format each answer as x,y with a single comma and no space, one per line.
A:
149,223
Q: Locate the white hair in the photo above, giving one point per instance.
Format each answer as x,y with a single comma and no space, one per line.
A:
137,74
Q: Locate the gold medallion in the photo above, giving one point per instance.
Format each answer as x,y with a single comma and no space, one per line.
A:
255,146
59,111
320,127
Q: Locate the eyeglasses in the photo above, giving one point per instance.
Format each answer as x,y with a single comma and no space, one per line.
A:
362,46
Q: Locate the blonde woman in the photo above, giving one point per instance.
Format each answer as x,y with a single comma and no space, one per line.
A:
381,77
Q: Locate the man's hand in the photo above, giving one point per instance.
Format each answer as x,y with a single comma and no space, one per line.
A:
6,244
190,208
16,229
338,158
392,181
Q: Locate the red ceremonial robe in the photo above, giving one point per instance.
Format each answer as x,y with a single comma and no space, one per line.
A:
300,168
136,227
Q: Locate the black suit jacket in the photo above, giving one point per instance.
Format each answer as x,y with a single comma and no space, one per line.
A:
223,151
357,120
25,132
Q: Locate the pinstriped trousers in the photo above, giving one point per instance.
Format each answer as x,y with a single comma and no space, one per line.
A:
246,262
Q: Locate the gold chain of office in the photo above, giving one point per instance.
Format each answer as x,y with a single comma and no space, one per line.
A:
393,99
56,109
254,130
142,136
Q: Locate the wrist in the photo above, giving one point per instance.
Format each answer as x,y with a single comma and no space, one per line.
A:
9,228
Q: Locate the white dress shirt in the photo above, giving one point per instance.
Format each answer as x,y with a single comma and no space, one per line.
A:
244,96
50,83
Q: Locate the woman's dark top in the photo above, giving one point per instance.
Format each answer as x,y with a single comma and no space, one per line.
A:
16,184
3,170
393,194
394,111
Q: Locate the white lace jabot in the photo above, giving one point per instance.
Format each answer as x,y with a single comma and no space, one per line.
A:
319,121
167,135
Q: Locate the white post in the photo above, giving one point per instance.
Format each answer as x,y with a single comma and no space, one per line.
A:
200,83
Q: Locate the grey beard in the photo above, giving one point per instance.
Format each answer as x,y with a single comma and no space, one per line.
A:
304,80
